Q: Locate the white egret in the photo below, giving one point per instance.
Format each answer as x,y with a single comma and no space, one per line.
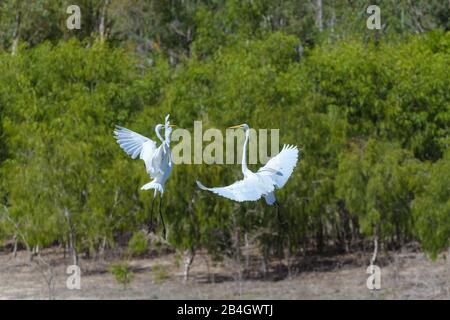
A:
158,160
262,183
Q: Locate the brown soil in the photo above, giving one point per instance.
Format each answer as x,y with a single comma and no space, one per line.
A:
405,275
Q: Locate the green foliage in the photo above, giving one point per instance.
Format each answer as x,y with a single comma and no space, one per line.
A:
122,274
370,112
372,180
431,208
160,274
138,244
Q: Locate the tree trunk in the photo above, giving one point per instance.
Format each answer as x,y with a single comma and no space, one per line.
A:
448,257
237,252
101,27
188,259
320,237
416,16
319,15
15,246
247,251
265,263
289,258
375,250
375,246
16,33
32,254
208,267
72,245
102,249
332,20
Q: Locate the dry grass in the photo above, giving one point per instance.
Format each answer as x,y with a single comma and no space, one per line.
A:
405,275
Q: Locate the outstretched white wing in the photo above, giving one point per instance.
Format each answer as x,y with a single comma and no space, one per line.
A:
280,167
251,188
136,145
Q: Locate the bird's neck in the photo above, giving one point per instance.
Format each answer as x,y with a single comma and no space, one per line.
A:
244,153
158,134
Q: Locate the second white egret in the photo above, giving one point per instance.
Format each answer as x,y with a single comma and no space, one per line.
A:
262,183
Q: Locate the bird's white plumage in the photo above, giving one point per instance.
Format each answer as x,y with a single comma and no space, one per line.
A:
147,155
158,160
270,198
132,142
280,167
251,188
273,175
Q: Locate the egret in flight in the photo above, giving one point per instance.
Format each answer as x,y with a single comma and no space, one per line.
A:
265,181
158,160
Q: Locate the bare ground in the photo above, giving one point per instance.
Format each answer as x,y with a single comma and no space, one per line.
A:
405,275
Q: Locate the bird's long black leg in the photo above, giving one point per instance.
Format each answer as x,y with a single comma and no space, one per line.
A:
278,211
280,220
162,220
150,222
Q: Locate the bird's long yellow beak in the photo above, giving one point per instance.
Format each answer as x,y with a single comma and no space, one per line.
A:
172,125
236,127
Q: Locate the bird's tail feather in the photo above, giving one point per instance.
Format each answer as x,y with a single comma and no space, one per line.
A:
153,185
270,198
201,186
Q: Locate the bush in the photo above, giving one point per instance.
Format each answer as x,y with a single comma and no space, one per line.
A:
122,273
138,244
161,274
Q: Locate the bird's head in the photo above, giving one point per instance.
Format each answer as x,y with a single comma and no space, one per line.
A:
160,126
169,128
243,126
167,131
